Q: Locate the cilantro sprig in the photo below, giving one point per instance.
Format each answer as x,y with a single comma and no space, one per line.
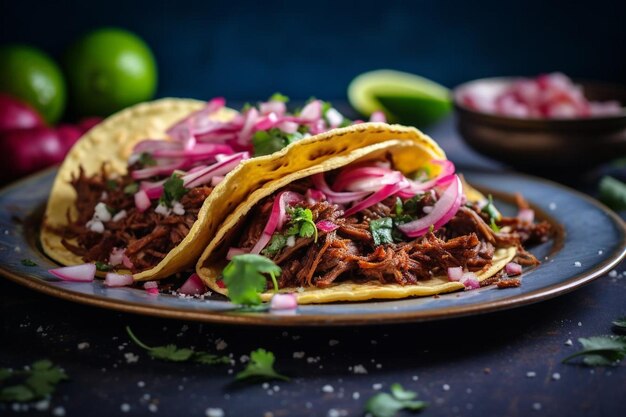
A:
28,262
387,405
301,223
103,267
493,213
173,353
382,230
266,142
244,278
173,190
260,367
33,383
603,350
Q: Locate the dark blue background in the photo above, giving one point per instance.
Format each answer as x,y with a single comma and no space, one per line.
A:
249,49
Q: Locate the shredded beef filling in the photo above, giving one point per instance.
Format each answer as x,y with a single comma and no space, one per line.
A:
147,237
349,252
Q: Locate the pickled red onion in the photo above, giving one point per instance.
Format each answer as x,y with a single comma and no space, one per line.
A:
75,273
442,212
277,218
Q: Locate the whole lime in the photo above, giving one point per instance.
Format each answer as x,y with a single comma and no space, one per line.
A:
109,69
31,75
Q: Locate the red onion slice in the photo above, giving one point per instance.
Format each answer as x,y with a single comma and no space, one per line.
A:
386,191
470,280
326,226
526,215
154,190
232,252
221,168
455,273
314,196
112,279
277,107
75,273
142,201
117,256
193,286
284,302
336,197
312,111
513,269
442,212
277,218
347,176
378,116
183,129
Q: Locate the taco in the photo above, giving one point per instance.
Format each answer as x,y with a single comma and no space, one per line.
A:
389,220
146,190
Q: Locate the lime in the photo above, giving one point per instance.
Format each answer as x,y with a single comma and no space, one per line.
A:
31,75
404,98
109,69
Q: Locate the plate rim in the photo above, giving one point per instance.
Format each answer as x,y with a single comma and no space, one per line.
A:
272,320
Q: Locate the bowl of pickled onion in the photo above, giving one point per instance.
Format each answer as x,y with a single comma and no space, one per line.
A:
545,124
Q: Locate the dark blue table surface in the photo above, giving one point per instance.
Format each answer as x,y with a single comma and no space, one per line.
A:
500,364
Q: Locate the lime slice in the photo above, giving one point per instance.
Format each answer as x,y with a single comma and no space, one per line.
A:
404,98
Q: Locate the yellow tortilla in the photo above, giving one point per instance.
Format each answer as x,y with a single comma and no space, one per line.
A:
112,141
407,156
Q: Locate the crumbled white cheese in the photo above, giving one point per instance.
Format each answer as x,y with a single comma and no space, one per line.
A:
95,226
552,206
83,345
427,209
531,374
125,408
577,264
556,376
220,344
377,386
613,274
333,342
119,215
446,387
291,241
569,342
356,395
298,355
178,208
162,209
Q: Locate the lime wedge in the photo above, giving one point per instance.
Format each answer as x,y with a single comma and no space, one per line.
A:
404,98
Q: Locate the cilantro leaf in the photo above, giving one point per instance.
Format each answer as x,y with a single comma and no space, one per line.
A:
111,184
173,353
491,210
261,366
381,230
146,160
620,324
302,224
494,226
601,350
131,188
266,142
103,267
279,97
277,242
28,262
387,405
36,382
244,280
173,190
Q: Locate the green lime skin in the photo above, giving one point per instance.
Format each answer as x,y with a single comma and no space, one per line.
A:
29,74
109,69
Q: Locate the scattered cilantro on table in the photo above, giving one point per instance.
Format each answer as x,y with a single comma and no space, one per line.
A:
28,262
613,193
33,383
244,278
602,350
173,353
387,405
173,190
260,367
620,324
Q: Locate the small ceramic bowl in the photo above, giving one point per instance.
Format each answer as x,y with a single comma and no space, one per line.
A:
544,145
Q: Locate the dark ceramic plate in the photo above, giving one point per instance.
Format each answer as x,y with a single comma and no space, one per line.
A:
590,241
